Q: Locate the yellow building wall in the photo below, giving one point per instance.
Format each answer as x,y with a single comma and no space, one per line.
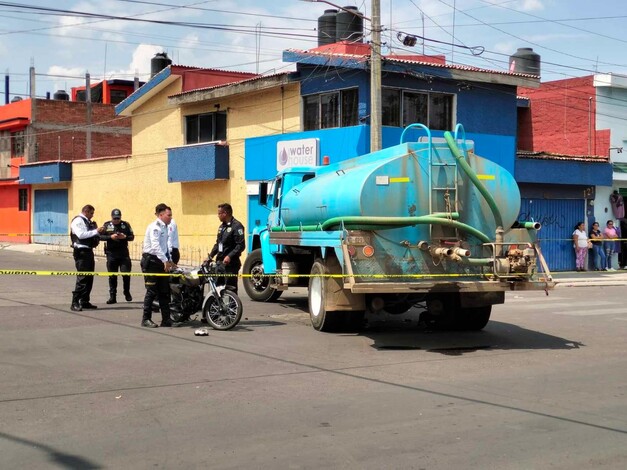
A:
135,185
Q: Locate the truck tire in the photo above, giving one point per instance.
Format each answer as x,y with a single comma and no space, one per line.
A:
256,284
473,319
321,320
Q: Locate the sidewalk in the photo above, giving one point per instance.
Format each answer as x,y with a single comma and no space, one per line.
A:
563,279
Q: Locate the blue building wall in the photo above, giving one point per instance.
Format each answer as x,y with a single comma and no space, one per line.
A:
46,173
531,170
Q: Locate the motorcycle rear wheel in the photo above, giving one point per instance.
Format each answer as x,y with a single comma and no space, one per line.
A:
227,319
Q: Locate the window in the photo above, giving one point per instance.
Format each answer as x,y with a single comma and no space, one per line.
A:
205,127
17,141
117,96
327,110
403,107
23,200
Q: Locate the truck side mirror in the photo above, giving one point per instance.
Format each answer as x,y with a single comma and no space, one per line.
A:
263,193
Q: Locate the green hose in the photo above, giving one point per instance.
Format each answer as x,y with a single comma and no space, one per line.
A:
379,223
473,177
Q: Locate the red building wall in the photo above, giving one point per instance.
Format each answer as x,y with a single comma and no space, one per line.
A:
13,221
61,133
561,119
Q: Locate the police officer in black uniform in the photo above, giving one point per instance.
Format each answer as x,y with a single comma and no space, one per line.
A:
117,233
229,244
85,236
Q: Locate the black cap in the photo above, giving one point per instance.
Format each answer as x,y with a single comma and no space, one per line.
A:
116,214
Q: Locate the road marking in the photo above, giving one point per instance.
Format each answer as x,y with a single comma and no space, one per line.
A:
593,313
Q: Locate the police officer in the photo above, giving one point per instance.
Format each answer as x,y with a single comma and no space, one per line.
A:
85,236
156,260
117,234
229,244
173,242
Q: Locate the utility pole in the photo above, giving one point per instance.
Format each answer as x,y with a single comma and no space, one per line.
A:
375,78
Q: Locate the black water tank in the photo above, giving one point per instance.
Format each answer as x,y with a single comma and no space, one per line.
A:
16,99
61,95
525,61
158,63
326,27
349,25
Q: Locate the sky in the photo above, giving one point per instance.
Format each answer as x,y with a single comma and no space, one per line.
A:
63,39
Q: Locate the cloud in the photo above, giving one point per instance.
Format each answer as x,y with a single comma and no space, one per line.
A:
63,78
531,5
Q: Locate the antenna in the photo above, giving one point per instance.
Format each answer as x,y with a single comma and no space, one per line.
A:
104,72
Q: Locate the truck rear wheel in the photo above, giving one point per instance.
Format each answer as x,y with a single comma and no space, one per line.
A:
473,319
256,283
321,320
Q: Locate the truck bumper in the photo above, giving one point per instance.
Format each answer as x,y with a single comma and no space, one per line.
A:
461,286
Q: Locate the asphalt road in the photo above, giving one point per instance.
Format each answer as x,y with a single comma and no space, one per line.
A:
543,386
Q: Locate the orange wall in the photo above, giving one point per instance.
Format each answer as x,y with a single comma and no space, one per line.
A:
12,220
17,109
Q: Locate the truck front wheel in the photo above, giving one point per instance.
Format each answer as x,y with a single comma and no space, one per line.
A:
256,283
321,320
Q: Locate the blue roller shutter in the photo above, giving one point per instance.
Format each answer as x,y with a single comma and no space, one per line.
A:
558,218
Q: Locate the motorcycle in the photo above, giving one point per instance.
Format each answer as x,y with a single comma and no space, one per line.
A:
220,306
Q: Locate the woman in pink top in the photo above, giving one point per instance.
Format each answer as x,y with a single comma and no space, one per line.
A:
610,234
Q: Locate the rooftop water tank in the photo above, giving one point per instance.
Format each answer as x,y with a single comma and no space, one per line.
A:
525,61
158,63
349,25
61,95
326,27
16,98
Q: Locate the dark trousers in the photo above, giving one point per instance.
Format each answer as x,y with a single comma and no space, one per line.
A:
157,287
84,262
175,255
231,278
123,263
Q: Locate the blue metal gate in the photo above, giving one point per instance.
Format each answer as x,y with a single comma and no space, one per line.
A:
51,217
558,218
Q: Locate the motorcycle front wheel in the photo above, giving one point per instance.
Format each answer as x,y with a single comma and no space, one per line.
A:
228,317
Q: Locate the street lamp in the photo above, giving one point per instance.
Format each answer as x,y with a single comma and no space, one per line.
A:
618,150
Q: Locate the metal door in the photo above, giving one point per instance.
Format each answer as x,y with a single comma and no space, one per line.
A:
50,220
558,218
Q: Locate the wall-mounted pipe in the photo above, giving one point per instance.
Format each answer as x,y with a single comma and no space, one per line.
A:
527,225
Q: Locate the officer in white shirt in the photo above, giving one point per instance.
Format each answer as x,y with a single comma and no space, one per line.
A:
85,237
173,242
156,259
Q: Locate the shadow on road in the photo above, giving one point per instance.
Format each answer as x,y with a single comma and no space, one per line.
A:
56,457
497,336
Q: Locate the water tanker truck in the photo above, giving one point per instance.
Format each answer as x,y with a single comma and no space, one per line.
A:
426,223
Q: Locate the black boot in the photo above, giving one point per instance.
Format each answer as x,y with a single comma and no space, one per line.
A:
112,299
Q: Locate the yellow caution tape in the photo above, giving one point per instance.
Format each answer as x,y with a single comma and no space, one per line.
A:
25,272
